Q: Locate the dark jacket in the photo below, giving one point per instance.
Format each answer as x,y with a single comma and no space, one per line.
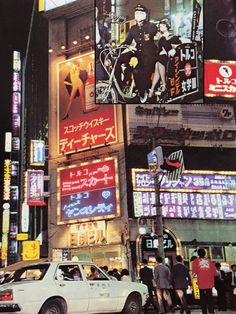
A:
180,276
104,38
146,276
144,38
220,281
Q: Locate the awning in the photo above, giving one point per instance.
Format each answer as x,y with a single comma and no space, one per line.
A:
20,264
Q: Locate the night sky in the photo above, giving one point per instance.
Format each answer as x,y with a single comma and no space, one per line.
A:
14,26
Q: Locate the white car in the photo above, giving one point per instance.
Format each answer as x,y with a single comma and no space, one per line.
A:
69,287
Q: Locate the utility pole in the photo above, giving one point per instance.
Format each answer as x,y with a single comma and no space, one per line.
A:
159,220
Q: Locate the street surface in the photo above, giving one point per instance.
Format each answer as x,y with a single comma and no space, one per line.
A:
196,311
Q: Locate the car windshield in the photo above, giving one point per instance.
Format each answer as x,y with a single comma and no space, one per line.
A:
29,273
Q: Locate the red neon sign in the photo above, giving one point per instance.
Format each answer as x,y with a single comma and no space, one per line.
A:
220,78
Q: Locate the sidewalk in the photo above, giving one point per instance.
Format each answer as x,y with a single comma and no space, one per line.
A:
198,311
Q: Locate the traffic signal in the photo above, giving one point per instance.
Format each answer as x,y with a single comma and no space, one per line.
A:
170,165
174,166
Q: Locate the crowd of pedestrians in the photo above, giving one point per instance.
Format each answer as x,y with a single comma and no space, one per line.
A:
168,287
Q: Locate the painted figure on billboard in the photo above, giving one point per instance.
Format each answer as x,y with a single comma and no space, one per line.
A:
166,41
102,38
82,123
143,34
143,58
75,85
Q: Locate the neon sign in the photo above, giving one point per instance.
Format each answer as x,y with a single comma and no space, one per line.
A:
88,191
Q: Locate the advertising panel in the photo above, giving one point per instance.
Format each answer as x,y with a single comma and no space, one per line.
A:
192,125
160,58
30,250
199,195
220,78
88,191
82,124
37,153
186,205
90,233
35,187
198,180
7,180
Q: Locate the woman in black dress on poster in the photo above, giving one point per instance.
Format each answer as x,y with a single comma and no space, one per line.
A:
165,50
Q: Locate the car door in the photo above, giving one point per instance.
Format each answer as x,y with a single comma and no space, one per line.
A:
75,292
102,297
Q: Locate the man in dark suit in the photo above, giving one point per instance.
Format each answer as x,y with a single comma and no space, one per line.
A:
220,287
181,280
102,38
143,34
146,277
231,285
162,277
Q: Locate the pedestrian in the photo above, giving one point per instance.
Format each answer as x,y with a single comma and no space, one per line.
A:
162,277
181,280
125,275
116,274
221,288
205,271
231,284
143,34
146,277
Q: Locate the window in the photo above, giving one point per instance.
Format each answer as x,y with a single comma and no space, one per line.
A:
94,273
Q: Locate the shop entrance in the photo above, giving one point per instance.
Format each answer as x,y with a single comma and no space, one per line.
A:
147,246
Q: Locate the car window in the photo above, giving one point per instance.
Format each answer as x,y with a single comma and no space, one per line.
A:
68,273
32,272
94,273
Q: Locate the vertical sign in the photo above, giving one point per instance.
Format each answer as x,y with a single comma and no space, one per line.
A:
196,19
37,153
35,187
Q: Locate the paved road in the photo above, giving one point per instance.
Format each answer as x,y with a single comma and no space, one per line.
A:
198,311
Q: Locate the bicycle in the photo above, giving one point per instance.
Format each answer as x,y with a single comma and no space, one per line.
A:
109,91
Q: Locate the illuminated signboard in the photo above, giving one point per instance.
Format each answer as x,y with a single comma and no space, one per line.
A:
8,142
183,79
90,233
37,153
88,191
46,5
6,218
25,217
186,205
35,187
82,124
7,180
61,255
150,243
190,180
199,194
30,250
4,245
220,78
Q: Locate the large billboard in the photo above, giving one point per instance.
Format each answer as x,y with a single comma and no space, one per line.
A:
150,52
88,191
82,124
192,124
197,195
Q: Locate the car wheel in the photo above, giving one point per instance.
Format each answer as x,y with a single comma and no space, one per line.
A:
53,306
133,305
